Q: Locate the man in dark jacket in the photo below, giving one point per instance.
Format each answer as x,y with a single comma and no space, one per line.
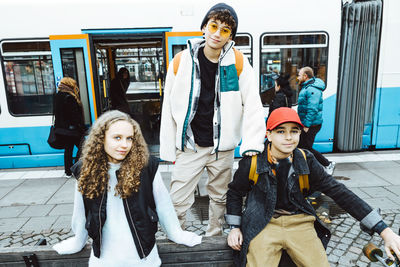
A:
310,106
276,216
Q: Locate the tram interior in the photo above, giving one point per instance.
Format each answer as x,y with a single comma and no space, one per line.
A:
144,60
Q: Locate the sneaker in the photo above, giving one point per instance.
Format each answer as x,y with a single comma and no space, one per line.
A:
330,168
67,175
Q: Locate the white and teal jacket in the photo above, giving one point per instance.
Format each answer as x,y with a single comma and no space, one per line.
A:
238,114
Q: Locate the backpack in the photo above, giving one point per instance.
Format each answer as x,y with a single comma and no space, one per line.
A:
303,178
238,61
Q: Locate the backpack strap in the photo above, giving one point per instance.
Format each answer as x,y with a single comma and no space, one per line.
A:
177,60
253,175
303,178
238,61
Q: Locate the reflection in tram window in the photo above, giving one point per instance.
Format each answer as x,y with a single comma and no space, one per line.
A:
68,63
144,65
287,53
177,48
29,77
244,43
103,77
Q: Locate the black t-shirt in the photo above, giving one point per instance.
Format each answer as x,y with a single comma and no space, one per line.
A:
282,171
202,123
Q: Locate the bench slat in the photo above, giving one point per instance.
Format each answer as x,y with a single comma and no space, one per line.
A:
213,251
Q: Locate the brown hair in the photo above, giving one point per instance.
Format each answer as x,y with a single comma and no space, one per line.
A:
70,86
93,179
308,71
224,16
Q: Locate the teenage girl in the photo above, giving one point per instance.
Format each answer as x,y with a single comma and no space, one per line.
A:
120,197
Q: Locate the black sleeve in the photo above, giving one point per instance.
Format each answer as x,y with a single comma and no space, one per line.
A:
238,188
344,197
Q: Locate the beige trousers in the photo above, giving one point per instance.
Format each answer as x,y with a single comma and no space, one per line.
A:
296,235
188,168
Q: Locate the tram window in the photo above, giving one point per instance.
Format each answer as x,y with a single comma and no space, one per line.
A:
304,39
13,47
244,43
68,63
287,54
29,77
145,65
177,48
73,66
242,40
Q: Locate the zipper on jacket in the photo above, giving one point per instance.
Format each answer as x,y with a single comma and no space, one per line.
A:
187,117
134,228
217,95
101,202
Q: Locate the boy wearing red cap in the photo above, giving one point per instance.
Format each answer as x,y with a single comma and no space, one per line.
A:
208,107
276,216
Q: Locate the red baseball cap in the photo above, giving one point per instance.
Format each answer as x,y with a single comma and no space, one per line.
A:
282,115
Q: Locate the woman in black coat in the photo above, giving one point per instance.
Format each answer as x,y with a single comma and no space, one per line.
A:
118,89
283,94
69,123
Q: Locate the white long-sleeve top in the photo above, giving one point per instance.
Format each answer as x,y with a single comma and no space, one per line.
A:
118,247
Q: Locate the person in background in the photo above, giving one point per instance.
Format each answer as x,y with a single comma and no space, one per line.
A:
283,94
206,110
120,197
119,86
69,121
277,216
310,106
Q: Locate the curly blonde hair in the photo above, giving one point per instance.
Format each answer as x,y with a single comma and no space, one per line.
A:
93,180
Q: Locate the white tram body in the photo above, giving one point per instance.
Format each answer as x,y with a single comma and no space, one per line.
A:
43,41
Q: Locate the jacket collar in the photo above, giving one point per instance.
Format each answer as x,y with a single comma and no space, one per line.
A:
308,82
196,43
299,163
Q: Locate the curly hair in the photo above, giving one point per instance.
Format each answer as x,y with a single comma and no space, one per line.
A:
93,180
224,16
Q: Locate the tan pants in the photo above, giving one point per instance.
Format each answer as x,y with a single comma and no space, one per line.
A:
295,234
189,166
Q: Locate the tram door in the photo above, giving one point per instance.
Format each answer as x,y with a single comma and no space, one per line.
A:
142,56
71,58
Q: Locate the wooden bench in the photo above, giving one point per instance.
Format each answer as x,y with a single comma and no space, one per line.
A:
212,252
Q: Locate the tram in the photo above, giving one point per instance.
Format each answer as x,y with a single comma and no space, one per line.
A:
44,41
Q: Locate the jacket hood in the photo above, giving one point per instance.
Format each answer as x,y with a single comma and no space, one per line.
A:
316,83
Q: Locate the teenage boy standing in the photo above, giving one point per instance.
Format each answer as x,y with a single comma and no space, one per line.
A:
277,217
209,105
